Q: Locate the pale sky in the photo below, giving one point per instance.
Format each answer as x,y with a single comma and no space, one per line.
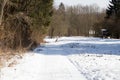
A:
100,3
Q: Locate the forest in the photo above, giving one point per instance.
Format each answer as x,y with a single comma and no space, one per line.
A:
86,21
75,20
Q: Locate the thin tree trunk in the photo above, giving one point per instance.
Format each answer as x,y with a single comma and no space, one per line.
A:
2,10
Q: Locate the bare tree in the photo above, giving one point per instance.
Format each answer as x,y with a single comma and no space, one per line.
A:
74,20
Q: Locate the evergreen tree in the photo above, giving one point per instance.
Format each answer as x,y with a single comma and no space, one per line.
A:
20,18
61,8
113,18
113,9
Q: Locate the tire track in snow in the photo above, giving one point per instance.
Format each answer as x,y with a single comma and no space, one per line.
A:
75,64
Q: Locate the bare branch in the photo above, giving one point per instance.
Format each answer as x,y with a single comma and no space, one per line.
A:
2,10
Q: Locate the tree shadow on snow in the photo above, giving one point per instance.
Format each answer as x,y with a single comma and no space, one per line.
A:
78,48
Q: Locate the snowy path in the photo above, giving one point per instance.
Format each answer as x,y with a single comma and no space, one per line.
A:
44,67
71,58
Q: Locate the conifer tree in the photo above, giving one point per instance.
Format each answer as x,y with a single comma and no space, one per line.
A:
19,19
113,18
113,9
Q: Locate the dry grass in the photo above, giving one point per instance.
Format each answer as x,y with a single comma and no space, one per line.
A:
6,55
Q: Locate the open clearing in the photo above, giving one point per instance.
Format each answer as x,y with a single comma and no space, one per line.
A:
70,58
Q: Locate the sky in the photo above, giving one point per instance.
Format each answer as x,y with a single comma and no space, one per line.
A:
100,3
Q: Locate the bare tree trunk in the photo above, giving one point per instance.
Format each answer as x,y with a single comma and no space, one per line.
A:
2,10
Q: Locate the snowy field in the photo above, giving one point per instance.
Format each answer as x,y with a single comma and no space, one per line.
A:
70,58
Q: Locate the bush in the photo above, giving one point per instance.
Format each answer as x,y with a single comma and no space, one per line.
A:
16,32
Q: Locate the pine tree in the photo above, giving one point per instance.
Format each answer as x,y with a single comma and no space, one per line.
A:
61,8
113,9
113,18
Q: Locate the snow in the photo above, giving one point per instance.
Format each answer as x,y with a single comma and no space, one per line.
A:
70,58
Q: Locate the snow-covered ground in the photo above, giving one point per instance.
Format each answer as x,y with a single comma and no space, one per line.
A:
70,58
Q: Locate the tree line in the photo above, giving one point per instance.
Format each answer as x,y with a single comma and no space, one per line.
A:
74,20
86,21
